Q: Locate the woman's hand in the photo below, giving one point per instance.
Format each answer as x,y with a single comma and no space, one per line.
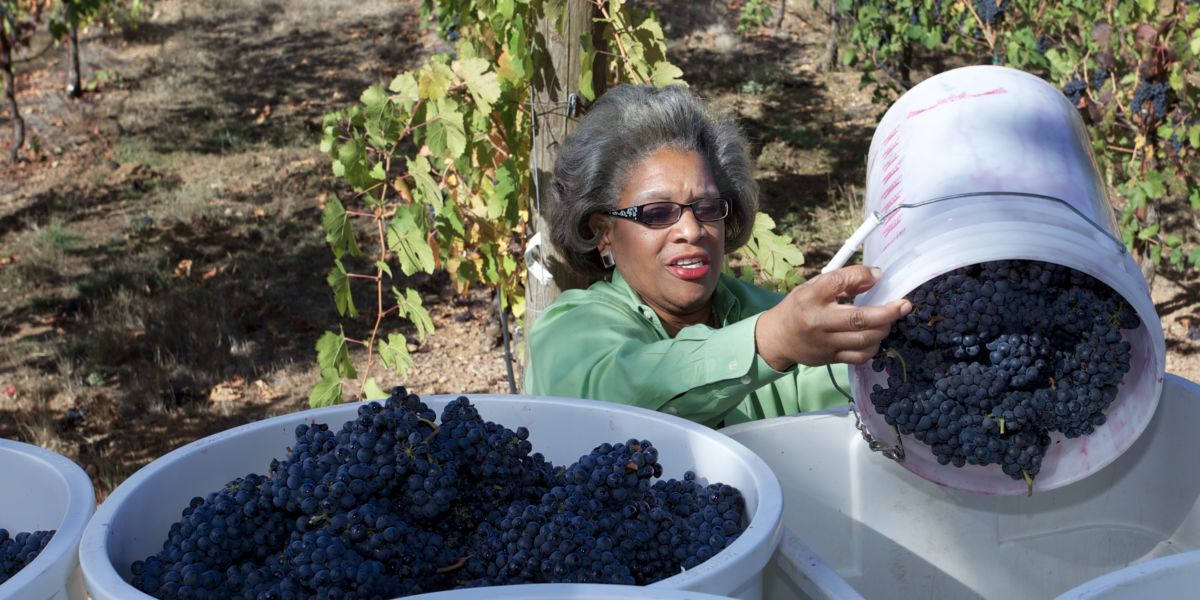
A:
809,327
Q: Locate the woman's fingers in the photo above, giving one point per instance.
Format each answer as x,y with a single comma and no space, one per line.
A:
846,317
845,282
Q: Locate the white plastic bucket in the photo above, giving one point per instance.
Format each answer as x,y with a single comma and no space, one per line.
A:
569,591
43,491
133,522
982,129
1176,576
865,526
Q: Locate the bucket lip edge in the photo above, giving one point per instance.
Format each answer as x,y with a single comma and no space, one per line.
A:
103,573
60,556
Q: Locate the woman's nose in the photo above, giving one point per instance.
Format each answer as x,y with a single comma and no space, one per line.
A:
688,228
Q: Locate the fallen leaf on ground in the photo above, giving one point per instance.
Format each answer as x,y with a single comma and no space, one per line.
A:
184,268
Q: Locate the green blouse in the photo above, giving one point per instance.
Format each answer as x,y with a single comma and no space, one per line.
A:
603,343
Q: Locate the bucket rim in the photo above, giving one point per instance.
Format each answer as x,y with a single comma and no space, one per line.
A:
59,557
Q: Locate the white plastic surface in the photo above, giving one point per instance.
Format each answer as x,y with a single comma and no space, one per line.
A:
984,129
568,591
1176,576
133,522
867,523
42,491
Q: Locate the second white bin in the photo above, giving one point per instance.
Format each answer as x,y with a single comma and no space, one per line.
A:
866,526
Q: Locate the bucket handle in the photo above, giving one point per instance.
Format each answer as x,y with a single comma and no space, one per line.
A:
856,239
875,219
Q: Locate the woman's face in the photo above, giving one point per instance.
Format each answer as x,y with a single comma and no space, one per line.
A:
674,268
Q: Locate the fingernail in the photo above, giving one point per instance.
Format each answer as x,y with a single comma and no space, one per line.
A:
905,308
877,272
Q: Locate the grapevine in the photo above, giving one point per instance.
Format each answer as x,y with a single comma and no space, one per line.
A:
1133,71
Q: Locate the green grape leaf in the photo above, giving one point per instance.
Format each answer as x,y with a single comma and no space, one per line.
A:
501,202
409,307
776,256
327,391
405,85
333,354
666,73
587,66
406,238
427,190
371,389
338,231
393,353
384,268
375,99
339,282
483,86
445,134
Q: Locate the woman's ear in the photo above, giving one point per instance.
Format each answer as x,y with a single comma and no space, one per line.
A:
599,225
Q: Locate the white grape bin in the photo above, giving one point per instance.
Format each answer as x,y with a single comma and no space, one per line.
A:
43,491
133,522
860,525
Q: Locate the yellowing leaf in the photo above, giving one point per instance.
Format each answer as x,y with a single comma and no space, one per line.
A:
434,81
483,85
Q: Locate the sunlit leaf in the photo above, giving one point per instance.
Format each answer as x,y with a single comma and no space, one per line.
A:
339,282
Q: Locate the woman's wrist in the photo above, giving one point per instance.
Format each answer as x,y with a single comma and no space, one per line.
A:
767,343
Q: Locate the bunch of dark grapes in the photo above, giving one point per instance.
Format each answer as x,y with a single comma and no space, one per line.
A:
1074,90
394,503
990,10
19,550
996,356
1150,99
1180,122
1100,75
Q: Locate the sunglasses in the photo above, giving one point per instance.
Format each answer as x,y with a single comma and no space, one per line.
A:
657,214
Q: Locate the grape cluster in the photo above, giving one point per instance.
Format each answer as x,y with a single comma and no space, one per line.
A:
997,355
19,550
1074,90
394,504
990,10
1150,99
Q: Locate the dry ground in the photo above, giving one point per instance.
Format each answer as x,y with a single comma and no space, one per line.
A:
161,262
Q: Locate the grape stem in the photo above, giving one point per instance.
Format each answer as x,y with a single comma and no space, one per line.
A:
435,427
1028,482
454,567
903,365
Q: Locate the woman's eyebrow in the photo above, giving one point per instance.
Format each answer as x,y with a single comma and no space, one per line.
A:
661,194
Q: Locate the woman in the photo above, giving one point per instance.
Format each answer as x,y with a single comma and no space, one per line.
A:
649,194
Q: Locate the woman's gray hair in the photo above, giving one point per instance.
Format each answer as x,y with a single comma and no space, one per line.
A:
626,125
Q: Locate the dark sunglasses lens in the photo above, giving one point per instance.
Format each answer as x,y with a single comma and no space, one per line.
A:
660,213
711,209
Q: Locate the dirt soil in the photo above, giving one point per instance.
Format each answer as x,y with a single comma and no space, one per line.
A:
162,266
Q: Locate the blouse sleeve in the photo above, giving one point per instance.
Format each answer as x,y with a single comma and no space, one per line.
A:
605,351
